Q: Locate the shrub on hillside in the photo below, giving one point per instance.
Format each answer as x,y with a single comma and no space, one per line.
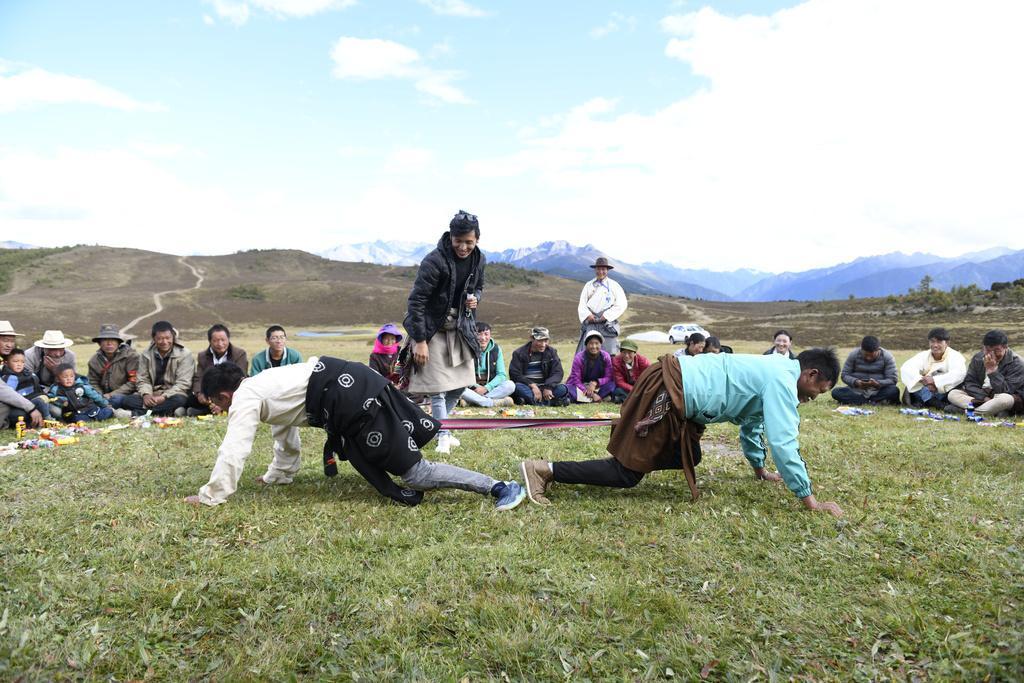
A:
249,292
12,260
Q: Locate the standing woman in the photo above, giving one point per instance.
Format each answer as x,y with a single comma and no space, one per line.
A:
440,320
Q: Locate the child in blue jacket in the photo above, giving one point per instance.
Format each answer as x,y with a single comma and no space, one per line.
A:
76,398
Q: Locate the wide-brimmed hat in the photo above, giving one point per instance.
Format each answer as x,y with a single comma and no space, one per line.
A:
602,262
593,333
629,345
109,331
54,339
392,329
7,330
540,333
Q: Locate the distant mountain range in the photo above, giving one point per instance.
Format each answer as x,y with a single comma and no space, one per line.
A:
868,276
15,245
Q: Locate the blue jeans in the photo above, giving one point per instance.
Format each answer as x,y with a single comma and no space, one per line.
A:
41,405
524,395
96,414
442,404
503,390
117,400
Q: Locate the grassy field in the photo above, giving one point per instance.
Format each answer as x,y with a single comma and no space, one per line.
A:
105,573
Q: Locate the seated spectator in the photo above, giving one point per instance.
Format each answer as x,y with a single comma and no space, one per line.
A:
25,383
114,368
994,380
870,376
76,400
493,387
626,369
712,345
930,375
782,345
590,380
47,353
220,350
537,372
166,370
384,358
695,344
11,400
277,354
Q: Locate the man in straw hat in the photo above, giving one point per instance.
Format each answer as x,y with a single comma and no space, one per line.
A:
113,369
9,398
602,303
47,353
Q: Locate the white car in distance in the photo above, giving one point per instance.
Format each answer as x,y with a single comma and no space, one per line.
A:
678,333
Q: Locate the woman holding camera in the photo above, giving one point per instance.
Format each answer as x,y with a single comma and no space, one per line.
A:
441,320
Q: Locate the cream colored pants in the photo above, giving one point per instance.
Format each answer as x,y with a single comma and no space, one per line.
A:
1000,403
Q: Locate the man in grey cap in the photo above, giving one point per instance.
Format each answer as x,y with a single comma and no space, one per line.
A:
537,372
113,369
9,398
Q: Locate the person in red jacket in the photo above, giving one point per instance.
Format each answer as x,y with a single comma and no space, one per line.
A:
626,369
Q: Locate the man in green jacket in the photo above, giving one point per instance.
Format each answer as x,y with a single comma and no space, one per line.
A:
664,416
276,354
493,387
165,374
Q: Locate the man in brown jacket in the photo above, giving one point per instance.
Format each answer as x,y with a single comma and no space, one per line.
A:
166,370
114,368
220,350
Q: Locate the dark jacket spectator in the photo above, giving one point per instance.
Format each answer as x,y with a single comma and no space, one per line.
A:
116,376
435,293
550,363
1007,379
204,361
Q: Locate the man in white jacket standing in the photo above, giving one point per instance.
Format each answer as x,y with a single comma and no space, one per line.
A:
931,374
602,303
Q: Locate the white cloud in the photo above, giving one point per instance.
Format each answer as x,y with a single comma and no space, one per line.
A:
453,8
825,131
616,22
208,20
239,11
31,87
373,58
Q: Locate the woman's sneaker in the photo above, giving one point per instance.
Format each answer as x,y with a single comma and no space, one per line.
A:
509,495
444,444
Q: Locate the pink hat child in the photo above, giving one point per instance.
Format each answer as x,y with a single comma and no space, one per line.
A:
396,338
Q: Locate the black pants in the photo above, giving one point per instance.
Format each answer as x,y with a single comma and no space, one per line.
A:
134,404
852,397
604,472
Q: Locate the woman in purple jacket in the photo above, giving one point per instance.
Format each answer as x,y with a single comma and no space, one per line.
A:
591,378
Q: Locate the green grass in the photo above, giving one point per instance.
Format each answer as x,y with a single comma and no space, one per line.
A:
105,573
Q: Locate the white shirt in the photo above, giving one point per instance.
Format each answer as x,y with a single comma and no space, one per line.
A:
948,372
276,396
615,301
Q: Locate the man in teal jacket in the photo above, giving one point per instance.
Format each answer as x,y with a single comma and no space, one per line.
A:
493,387
758,393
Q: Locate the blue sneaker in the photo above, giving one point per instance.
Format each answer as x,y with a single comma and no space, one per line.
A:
509,495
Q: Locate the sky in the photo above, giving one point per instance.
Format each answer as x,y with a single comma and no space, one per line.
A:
723,135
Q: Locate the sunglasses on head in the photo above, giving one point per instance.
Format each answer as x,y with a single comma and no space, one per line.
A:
463,216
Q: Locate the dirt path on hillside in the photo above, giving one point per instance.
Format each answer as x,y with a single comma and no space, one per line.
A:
159,295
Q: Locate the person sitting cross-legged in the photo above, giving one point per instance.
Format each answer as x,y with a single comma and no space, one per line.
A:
590,380
368,421
165,375
493,387
537,371
994,380
114,368
870,376
662,421
220,350
13,404
930,375
626,369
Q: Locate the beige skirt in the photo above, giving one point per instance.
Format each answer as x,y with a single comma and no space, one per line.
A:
449,367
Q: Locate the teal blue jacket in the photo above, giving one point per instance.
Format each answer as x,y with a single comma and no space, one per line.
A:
261,361
490,366
758,393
